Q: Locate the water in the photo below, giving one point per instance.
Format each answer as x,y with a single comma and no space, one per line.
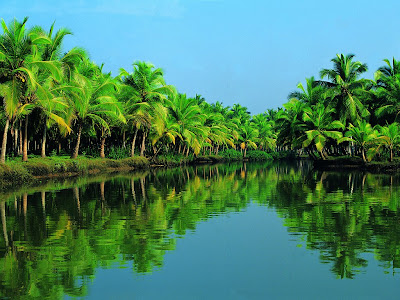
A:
252,231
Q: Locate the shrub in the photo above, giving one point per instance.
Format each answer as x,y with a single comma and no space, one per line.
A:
231,154
118,152
258,155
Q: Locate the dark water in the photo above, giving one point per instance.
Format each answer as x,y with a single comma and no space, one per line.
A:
250,231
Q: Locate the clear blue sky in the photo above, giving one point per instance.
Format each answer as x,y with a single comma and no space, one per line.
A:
248,52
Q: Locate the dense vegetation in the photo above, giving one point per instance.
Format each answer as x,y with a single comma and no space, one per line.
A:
74,107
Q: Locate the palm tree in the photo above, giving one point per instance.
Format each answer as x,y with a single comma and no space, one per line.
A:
146,91
15,49
91,100
347,91
364,136
321,127
311,94
52,106
249,135
190,119
267,136
391,69
289,123
390,137
388,93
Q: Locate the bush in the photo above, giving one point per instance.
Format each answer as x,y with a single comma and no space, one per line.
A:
289,154
118,152
258,155
231,154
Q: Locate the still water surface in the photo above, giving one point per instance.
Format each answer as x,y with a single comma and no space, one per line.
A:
252,231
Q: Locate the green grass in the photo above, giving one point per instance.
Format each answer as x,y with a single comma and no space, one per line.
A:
16,171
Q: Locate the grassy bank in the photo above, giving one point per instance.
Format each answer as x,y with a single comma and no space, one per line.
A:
16,172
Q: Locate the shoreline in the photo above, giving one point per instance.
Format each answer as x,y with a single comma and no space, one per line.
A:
356,164
16,174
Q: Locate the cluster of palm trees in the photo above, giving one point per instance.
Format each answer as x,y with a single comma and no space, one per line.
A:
343,114
70,101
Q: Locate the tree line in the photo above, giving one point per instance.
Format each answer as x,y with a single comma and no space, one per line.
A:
71,103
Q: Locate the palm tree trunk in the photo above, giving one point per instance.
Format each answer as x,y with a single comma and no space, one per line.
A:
25,146
44,141
103,141
322,155
20,138
133,143
363,155
76,150
143,143
391,154
16,141
123,139
4,144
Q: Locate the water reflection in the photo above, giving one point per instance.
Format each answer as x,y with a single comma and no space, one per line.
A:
56,236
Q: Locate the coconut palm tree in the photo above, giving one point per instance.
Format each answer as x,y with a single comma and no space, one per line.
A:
364,136
347,91
54,113
321,127
391,69
290,125
146,91
312,94
190,119
248,137
91,99
390,137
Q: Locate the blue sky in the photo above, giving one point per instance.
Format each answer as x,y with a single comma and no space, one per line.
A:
248,52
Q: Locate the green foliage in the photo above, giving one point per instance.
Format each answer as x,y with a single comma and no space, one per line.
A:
284,155
258,155
231,154
116,152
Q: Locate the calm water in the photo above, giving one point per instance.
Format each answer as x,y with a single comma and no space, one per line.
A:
250,231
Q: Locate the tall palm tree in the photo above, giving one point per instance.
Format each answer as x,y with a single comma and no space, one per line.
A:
190,119
347,90
91,100
52,106
146,91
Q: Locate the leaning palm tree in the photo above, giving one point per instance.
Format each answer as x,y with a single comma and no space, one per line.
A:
347,90
146,91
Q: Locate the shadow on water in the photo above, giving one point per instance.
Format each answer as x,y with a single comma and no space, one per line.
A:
55,236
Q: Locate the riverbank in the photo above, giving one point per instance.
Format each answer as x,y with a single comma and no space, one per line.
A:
355,163
15,173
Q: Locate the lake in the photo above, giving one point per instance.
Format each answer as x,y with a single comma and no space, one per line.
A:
232,231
